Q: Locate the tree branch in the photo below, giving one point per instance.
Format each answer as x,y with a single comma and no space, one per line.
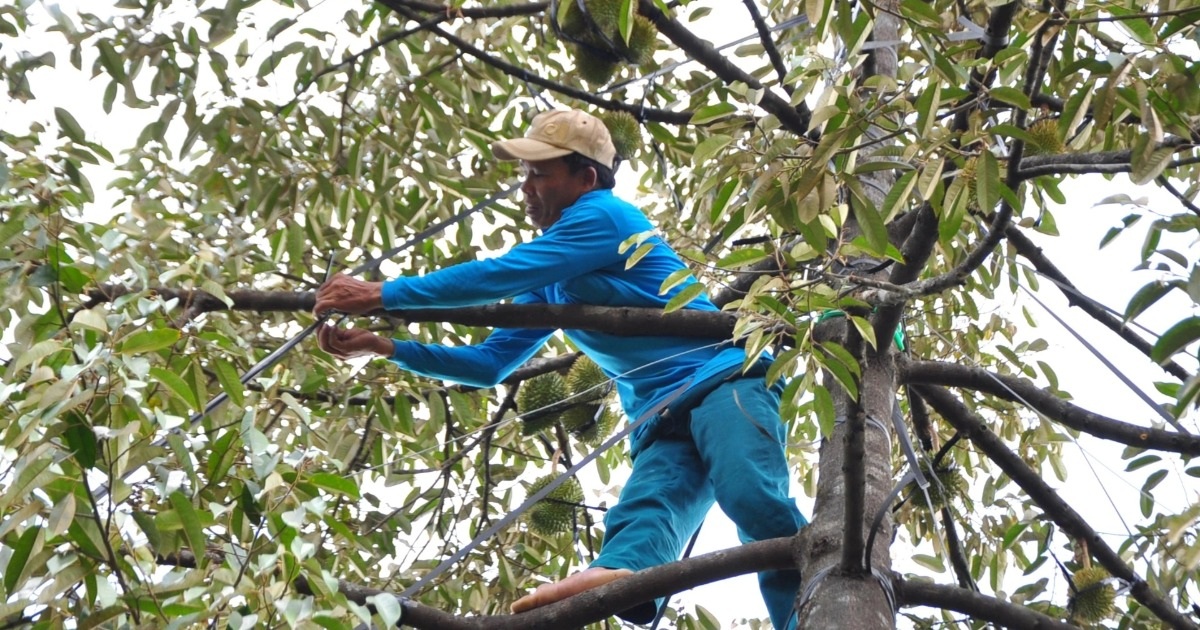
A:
1106,162
455,12
644,113
1031,252
589,606
627,321
1023,391
976,605
795,119
974,427
768,44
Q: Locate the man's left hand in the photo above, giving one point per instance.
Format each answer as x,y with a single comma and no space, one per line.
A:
352,343
345,294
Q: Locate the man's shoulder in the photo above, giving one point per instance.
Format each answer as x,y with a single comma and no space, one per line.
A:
604,204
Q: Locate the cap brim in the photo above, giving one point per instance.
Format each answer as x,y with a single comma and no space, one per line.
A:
527,149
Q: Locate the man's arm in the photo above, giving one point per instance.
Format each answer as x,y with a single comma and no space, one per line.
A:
582,241
479,365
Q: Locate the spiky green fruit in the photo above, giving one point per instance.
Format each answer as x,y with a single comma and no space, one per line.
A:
535,395
949,486
558,511
594,430
585,380
1044,138
593,67
625,131
642,38
1094,597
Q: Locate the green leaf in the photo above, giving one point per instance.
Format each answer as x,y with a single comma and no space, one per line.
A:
712,113
1146,297
148,341
192,529
1148,166
685,296
674,279
230,381
20,555
709,147
1012,96
823,404
933,563
1175,339
336,484
81,440
638,254
742,258
177,385
70,127
987,182
872,227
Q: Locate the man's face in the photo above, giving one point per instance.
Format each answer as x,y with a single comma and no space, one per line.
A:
550,187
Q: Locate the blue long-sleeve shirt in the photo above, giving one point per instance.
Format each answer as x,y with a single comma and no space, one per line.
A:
575,261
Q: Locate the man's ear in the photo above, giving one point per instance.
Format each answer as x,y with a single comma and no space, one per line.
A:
590,177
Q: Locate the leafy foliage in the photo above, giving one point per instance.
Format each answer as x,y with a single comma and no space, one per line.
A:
269,135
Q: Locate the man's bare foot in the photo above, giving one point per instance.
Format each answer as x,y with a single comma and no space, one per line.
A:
585,580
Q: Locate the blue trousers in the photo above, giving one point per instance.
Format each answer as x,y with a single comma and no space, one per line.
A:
731,452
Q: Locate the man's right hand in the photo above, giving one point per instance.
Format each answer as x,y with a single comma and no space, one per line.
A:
352,343
345,294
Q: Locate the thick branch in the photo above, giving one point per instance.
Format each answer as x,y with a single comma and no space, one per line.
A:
593,605
1031,252
627,321
453,12
977,606
644,113
1055,408
974,427
1106,162
795,119
764,37
996,40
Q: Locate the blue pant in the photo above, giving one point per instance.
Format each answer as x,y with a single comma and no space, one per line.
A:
733,454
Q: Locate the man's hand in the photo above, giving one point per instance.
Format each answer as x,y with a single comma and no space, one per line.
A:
345,294
352,343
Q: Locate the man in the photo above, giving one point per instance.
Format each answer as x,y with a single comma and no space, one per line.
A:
719,435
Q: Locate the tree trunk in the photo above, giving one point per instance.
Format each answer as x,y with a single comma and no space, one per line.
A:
845,584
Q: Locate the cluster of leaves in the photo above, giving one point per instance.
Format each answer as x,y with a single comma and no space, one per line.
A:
277,133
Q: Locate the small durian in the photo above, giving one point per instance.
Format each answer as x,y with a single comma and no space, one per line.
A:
642,38
593,66
1044,138
536,394
558,511
595,430
949,486
585,380
1093,598
625,131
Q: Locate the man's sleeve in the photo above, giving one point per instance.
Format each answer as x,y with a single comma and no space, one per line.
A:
585,240
479,365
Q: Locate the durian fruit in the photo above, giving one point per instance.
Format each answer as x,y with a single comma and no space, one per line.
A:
1093,597
625,131
585,380
596,69
949,486
557,512
537,393
594,429
642,37
1044,138
605,14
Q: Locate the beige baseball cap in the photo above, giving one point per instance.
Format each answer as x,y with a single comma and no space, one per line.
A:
557,133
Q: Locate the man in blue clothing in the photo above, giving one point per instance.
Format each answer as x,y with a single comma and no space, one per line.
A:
711,431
